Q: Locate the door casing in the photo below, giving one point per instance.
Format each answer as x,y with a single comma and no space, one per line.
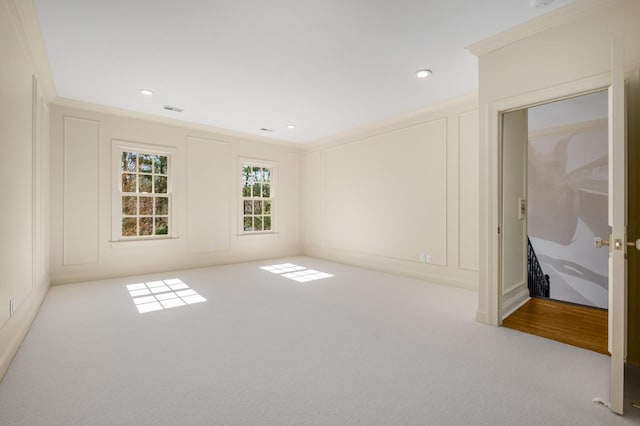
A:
490,218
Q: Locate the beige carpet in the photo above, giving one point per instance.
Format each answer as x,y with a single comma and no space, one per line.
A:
240,345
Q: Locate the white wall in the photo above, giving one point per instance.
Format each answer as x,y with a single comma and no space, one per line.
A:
383,196
565,52
24,138
206,195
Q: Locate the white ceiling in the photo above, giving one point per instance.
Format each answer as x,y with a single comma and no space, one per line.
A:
326,66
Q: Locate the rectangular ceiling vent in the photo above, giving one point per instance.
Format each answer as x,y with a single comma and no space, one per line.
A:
172,108
540,3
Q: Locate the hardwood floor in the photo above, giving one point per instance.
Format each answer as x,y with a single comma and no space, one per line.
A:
575,325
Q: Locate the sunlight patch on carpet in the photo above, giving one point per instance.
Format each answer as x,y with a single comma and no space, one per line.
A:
164,294
295,272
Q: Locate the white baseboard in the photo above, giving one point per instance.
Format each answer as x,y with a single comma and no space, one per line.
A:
514,299
482,317
434,273
15,329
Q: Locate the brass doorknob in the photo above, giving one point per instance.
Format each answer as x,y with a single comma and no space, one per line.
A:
636,244
599,242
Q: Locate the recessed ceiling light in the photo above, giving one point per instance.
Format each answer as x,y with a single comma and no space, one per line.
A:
146,92
291,126
423,73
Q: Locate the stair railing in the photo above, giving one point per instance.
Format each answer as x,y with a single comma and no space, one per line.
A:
538,281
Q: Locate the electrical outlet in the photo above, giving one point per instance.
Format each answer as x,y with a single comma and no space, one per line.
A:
427,258
210,247
423,257
12,305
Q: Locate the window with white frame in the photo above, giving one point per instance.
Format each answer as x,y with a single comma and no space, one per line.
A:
143,199
257,197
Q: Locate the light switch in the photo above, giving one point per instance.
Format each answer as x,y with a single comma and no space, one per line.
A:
522,208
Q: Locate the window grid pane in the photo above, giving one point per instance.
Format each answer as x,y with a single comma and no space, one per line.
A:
256,195
145,197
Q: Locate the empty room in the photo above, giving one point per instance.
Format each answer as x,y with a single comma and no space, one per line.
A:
288,212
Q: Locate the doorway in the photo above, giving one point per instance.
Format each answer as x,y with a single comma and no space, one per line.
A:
498,297
556,157
567,190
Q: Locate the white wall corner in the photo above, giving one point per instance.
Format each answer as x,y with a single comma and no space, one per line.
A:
562,16
26,19
489,290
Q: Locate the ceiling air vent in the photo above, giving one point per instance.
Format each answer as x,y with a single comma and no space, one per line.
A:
540,3
172,108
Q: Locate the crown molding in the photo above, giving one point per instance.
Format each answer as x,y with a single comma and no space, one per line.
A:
119,112
562,16
459,104
24,15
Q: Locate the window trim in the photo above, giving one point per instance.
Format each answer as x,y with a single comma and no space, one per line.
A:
255,162
117,147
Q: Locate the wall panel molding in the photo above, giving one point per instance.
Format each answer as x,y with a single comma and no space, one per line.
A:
468,190
207,211
81,210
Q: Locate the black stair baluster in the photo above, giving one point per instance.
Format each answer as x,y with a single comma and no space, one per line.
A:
538,281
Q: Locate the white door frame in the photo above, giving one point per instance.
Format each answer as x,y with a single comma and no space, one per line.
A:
490,285
618,223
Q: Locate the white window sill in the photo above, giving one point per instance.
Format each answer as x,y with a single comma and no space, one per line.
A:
149,242
257,235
